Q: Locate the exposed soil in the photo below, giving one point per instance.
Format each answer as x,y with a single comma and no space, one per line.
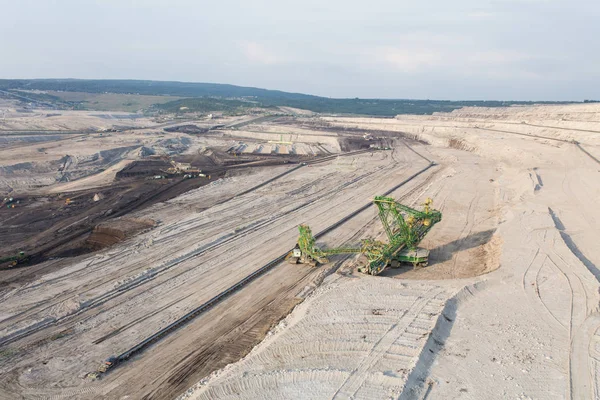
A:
144,168
69,224
359,143
518,236
46,226
233,338
114,231
190,129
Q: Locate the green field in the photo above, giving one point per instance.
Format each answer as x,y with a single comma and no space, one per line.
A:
210,104
112,101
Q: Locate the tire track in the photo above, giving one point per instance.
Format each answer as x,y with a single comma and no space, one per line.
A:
531,288
90,304
358,376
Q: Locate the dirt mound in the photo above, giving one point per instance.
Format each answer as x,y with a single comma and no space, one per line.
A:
358,143
148,167
112,232
459,144
190,129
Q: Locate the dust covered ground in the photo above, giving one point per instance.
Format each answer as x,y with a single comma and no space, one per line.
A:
57,185
507,307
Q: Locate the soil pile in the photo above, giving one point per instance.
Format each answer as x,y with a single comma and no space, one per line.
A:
114,231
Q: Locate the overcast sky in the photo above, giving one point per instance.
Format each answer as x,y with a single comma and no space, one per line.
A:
437,49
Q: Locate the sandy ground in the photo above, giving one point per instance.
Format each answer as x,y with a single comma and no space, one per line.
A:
30,166
98,299
362,345
526,330
93,181
307,142
69,120
47,152
506,309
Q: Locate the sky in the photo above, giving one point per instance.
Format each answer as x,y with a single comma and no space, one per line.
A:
427,49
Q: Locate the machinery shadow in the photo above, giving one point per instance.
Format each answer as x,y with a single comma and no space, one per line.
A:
445,252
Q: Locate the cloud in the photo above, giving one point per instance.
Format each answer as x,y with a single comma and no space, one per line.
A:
455,59
480,15
421,50
258,54
409,52
409,60
499,57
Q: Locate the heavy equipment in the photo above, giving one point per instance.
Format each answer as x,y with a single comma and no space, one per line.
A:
107,364
10,202
14,260
405,227
178,168
306,251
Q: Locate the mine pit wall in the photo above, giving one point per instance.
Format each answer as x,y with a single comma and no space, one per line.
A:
456,130
101,236
330,142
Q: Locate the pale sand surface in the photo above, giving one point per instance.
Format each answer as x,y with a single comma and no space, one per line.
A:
506,309
527,330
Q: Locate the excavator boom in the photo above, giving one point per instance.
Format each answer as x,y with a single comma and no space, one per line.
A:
306,251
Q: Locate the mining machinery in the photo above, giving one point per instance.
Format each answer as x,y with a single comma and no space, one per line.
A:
19,258
306,251
405,227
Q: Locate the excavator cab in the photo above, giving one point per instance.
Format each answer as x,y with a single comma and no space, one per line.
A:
306,251
295,255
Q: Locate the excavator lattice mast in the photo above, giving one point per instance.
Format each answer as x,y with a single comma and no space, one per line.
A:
405,227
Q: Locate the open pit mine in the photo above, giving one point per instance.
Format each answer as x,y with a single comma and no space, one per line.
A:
294,255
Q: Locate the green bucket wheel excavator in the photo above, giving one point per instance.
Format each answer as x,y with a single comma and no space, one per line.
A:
405,227
306,251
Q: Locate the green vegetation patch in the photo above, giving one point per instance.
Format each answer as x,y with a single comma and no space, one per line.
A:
209,104
389,108
111,101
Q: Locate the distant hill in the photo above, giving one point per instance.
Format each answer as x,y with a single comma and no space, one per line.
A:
180,89
216,96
